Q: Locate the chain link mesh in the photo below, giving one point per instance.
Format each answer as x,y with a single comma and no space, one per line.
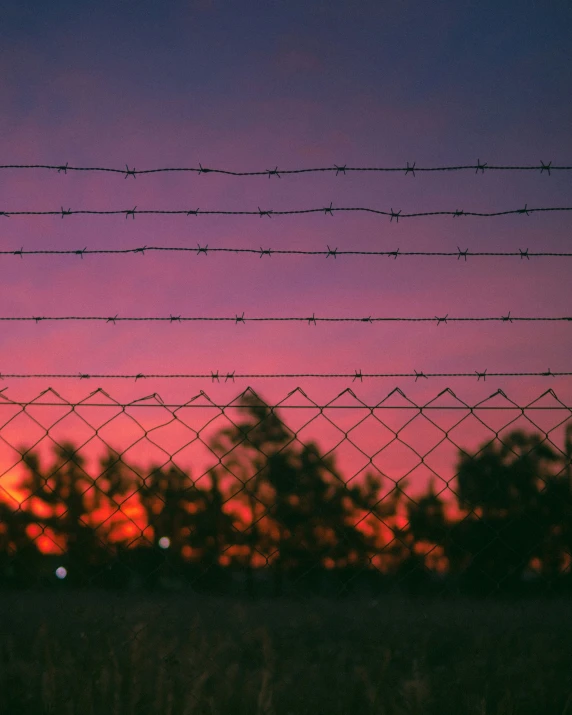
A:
250,497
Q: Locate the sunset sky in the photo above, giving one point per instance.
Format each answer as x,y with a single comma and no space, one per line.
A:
250,86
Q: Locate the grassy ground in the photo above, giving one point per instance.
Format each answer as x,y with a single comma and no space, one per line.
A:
122,655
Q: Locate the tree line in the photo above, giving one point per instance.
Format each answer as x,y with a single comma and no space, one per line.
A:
291,513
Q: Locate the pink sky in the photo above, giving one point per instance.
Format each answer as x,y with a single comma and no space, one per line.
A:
286,107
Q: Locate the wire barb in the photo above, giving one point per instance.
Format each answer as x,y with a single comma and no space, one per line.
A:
273,172
264,213
442,320
129,172
481,374
265,252
524,254
66,213
480,167
410,169
332,252
462,253
545,167
507,318
63,168
312,319
341,169
358,376
202,249
131,212
328,209
419,374
239,318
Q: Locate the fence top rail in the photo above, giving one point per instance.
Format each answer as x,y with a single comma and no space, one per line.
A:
421,408
155,400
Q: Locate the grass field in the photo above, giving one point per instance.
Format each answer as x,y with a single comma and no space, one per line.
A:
101,653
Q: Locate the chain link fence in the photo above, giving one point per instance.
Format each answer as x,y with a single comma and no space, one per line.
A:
289,498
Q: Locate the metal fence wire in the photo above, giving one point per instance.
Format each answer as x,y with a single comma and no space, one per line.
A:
253,498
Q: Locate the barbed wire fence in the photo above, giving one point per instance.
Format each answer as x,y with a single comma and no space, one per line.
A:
311,320
342,169
489,513
333,252
218,375
269,213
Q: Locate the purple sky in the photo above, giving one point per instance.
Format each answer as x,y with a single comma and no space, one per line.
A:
249,86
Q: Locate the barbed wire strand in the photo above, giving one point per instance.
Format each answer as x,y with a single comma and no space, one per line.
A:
330,252
341,169
217,376
155,400
312,319
270,212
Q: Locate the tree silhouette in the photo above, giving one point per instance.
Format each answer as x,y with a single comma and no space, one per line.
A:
566,502
260,435
69,497
186,519
213,532
301,510
510,490
555,518
295,511
427,524
19,554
